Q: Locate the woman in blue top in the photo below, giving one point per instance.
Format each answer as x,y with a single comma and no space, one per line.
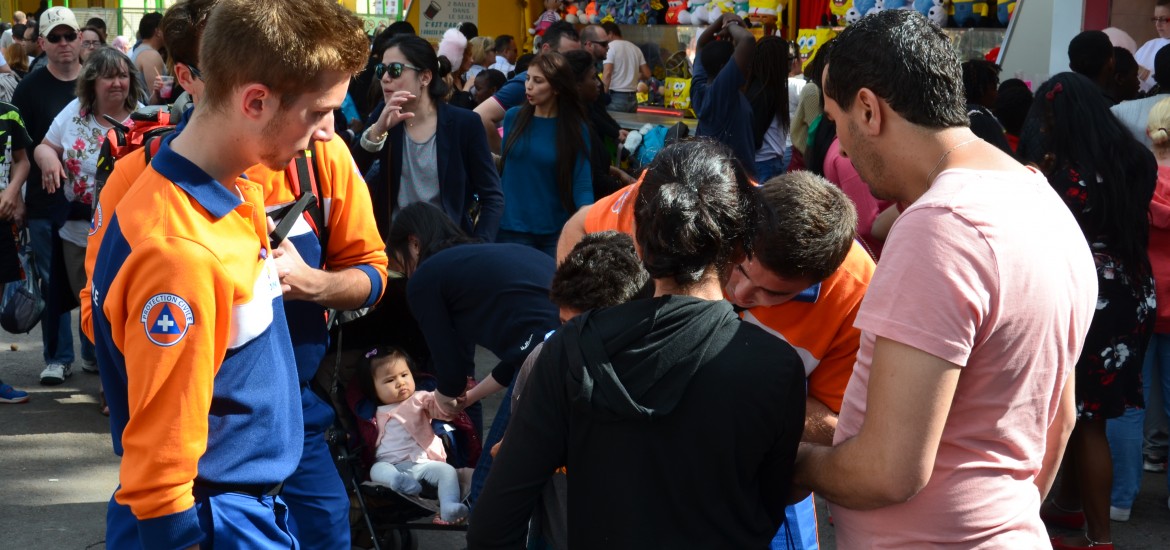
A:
546,158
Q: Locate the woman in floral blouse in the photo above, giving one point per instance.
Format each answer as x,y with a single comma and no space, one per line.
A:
1107,178
68,155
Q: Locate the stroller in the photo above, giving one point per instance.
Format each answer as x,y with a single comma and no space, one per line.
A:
378,515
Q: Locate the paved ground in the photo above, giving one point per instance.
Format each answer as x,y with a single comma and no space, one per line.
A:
57,470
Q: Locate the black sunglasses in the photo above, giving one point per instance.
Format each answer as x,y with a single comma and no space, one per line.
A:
55,38
194,71
602,43
393,69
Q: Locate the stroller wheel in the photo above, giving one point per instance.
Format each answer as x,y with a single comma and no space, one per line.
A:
399,539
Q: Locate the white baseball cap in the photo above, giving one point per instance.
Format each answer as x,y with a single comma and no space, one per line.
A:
55,17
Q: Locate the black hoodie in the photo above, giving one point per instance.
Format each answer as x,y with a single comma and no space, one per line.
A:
678,423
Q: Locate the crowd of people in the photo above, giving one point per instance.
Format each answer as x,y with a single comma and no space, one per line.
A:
890,280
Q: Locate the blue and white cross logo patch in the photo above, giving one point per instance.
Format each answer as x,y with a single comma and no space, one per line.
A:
166,318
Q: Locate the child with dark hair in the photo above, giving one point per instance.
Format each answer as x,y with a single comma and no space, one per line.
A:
1011,108
407,450
981,86
1125,83
602,270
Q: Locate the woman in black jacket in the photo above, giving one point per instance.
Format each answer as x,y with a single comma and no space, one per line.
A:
429,151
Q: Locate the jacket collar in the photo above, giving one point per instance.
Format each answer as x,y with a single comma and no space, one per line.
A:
209,193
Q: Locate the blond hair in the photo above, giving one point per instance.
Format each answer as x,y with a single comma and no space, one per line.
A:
286,45
16,58
1158,125
480,47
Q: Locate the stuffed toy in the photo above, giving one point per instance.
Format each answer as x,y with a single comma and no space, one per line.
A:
741,8
899,5
934,10
852,16
717,8
674,7
549,16
699,9
572,14
808,41
1005,10
765,13
656,14
968,13
868,7
839,9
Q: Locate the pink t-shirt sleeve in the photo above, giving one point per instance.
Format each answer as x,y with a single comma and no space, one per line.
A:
934,292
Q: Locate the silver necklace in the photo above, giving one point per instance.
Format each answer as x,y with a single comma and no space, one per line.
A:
930,176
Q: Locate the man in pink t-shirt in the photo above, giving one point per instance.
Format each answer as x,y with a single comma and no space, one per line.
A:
961,401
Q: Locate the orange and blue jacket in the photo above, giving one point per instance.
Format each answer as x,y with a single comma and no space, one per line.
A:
818,322
191,335
353,242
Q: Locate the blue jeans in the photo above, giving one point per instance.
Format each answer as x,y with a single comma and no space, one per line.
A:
1125,433
622,102
772,167
543,243
799,531
318,504
499,424
56,335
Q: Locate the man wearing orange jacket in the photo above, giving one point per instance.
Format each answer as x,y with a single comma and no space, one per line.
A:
350,272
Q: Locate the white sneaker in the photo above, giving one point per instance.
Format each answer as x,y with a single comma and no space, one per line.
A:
1118,514
89,365
55,374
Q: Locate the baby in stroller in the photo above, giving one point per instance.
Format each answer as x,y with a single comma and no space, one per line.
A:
407,450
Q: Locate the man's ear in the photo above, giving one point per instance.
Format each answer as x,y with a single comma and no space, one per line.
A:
869,106
257,102
183,75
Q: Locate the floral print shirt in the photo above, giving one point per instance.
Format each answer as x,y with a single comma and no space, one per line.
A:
80,136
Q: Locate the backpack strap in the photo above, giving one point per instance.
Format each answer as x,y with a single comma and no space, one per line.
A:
288,217
304,169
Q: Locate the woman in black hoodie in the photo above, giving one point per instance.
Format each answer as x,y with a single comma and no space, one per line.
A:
678,423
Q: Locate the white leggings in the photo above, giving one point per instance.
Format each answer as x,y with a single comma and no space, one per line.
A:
439,474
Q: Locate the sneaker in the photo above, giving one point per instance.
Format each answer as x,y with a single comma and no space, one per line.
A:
89,365
55,373
1118,514
8,394
1154,466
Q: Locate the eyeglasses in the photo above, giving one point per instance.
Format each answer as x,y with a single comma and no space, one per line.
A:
392,69
194,71
1162,20
90,44
602,43
55,38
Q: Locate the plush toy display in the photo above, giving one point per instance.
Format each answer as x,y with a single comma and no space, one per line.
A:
899,5
808,41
